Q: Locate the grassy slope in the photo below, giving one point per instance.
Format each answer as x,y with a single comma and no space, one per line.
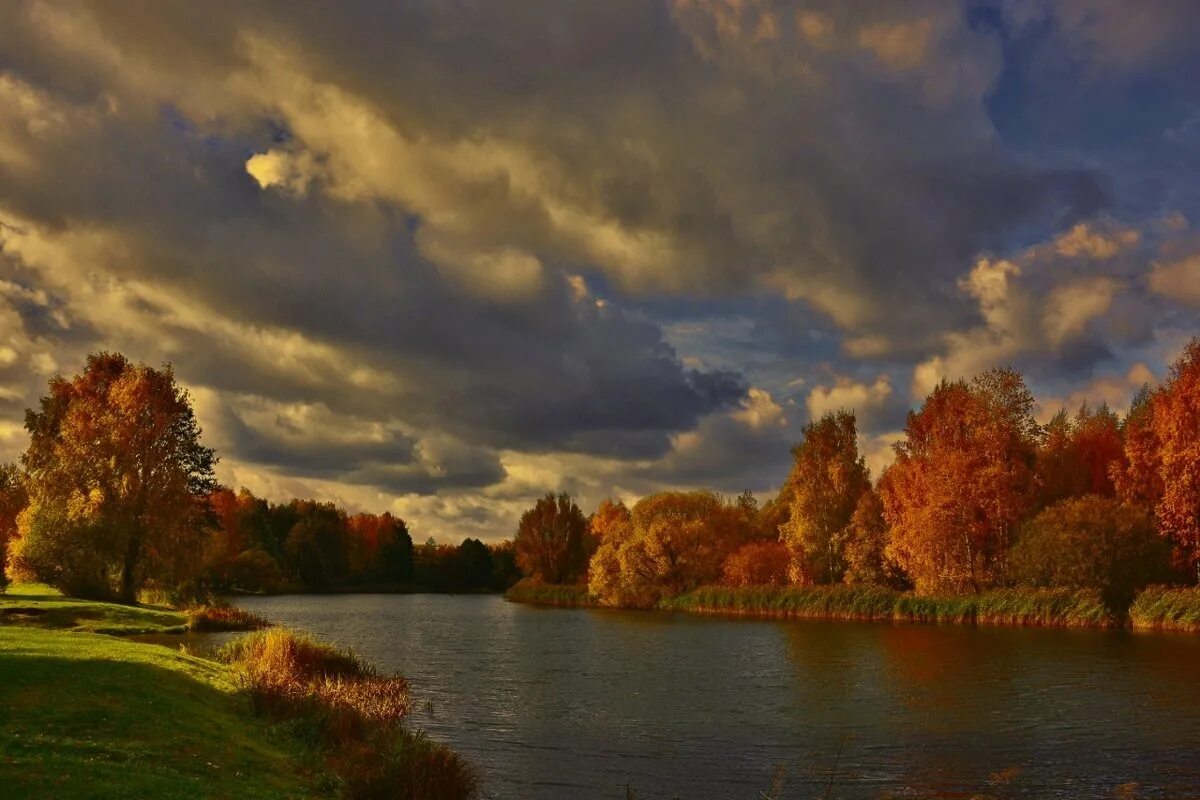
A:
41,606
95,716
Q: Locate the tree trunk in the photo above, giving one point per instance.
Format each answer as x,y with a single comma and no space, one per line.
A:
129,569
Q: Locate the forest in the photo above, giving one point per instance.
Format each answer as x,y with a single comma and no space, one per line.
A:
116,495
980,497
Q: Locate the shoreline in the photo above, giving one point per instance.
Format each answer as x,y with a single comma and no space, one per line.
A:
1175,610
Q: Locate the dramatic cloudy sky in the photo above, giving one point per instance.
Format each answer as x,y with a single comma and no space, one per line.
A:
441,256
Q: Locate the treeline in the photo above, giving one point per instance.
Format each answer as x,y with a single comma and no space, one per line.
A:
305,545
116,495
980,496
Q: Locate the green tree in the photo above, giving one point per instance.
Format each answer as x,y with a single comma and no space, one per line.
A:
1092,542
118,482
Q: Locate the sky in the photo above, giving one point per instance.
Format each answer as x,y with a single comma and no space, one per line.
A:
440,257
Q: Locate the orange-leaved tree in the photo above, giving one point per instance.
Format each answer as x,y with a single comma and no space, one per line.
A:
12,501
962,480
118,482
1162,449
828,476
552,543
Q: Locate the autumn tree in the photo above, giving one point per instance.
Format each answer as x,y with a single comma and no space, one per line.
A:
118,482
867,561
827,478
763,562
1091,542
13,499
962,480
673,542
552,543
1162,449
1078,456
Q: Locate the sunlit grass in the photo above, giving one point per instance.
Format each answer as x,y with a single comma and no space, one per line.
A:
1165,608
88,716
40,606
1034,607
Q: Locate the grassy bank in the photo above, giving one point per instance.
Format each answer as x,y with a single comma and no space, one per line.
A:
39,606
550,594
1167,609
1058,608
280,715
90,716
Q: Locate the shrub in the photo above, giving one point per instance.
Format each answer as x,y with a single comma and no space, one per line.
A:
338,703
1091,542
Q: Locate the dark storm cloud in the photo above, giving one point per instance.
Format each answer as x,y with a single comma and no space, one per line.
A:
481,233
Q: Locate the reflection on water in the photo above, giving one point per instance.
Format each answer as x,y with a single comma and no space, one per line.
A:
555,703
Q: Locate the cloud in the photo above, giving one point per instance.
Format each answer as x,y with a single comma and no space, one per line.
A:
850,395
1178,280
436,257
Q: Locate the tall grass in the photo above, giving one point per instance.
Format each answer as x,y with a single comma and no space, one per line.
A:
1166,608
550,594
339,704
210,619
1033,607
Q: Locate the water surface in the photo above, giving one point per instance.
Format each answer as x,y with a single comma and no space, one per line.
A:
557,703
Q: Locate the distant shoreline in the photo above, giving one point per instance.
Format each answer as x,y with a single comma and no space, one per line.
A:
1156,608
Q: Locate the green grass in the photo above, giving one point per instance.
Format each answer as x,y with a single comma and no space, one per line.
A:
88,716
1168,609
1034,607
550,594
32,604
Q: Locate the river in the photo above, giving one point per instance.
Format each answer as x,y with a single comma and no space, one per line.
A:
576,703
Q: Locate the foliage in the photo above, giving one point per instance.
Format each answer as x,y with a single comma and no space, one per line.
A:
758,563
1091,542
552,543
867,561
1175,464
827,478
118,482
13,499
674,542
962,480
1079,456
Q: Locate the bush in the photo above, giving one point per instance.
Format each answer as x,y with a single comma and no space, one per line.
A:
339,704
1091,542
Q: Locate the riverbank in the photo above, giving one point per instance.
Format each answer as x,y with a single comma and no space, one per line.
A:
551,594
90,715
277,715
1156,608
